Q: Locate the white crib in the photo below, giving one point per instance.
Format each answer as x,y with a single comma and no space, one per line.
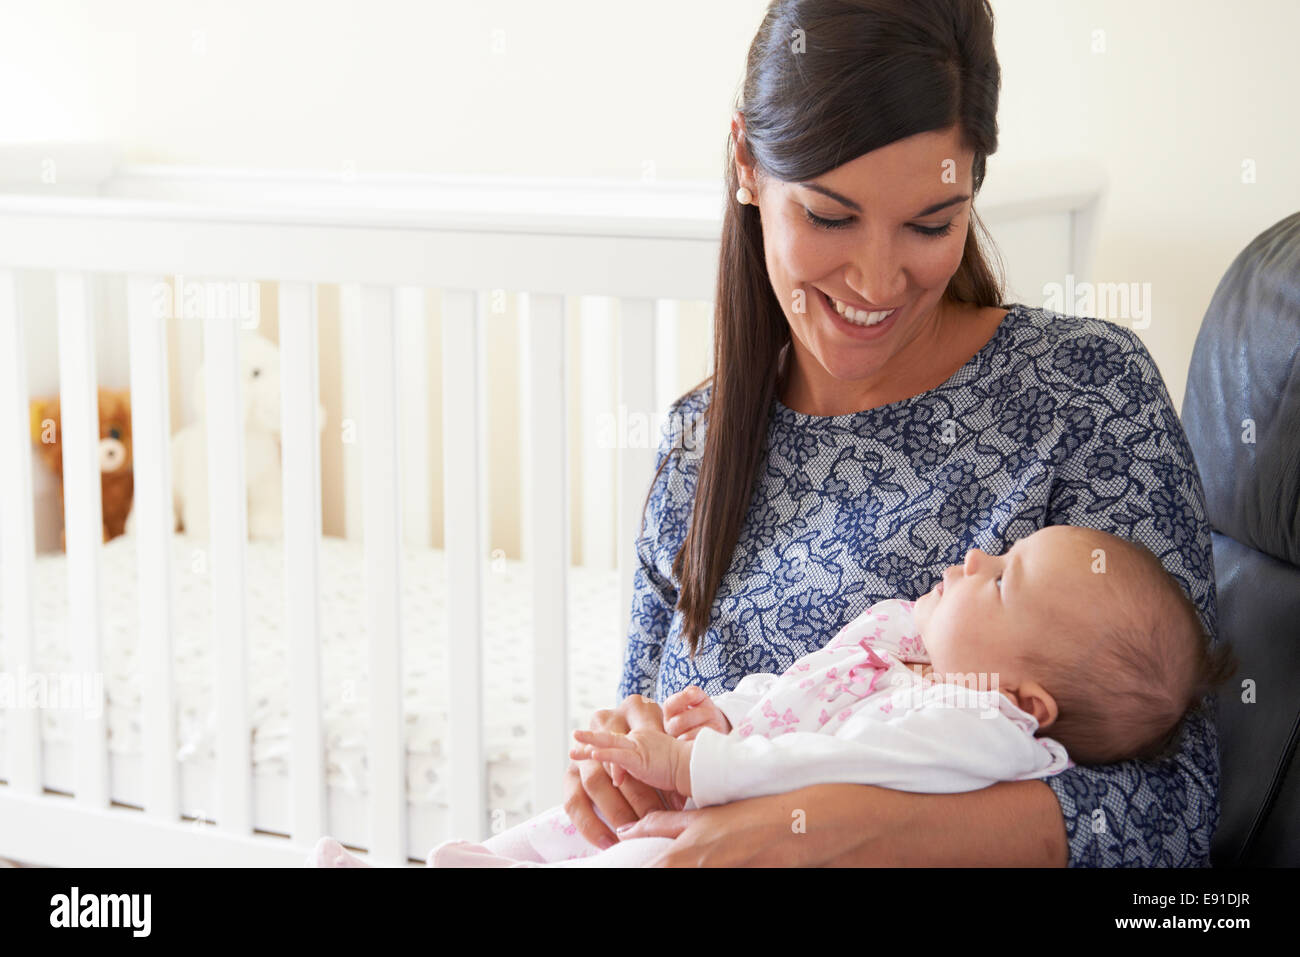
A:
631,251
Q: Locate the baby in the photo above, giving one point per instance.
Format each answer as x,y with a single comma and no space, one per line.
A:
1072,630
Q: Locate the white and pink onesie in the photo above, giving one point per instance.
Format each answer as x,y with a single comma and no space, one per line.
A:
852,712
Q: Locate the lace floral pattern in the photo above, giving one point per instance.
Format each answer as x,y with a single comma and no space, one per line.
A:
1057,420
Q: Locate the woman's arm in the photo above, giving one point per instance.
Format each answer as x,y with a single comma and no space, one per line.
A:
1142,813
1011,824
654,596
653,601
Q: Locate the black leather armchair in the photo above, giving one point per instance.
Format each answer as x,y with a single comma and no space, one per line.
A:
1241,413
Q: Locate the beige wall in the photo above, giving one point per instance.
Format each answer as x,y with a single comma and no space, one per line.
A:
1176,97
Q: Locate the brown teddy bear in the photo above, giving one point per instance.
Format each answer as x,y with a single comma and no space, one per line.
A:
115,462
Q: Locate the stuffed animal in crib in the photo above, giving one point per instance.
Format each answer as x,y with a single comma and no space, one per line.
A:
114,455
259,368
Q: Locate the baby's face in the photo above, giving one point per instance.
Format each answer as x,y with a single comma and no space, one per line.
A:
988,609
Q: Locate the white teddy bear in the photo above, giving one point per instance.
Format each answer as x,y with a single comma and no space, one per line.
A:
259,361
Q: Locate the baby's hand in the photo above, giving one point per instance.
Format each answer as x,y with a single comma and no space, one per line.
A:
645,753
686,712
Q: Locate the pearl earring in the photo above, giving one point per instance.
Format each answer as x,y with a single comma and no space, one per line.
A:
744,196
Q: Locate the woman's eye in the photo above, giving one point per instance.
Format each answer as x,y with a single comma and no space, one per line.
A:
934,231
999,583
826,223
822,223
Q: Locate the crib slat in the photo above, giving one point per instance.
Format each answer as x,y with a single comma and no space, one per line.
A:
83,519
667,323
381,489
464,479
154,525
350,337
22,724
186,340
228,508
546,451
596,402
300,458
636,393
413,350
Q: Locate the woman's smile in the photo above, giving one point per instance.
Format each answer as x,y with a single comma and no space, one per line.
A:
855,329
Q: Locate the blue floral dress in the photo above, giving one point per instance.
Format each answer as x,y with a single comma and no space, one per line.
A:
1057,420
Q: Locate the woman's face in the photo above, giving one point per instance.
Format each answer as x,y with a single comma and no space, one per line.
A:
891,248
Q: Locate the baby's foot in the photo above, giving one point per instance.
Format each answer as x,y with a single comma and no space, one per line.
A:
330,853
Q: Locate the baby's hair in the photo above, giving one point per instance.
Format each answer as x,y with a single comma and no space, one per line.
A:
1123,685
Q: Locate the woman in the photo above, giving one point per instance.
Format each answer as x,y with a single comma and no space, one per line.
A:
847,458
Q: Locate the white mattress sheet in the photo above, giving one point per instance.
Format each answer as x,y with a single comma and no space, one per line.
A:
596,639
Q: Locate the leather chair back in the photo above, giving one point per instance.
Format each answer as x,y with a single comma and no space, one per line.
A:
1241,413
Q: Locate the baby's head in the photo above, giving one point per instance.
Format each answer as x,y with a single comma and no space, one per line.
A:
1085,631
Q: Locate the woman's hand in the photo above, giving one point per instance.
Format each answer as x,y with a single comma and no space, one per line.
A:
1009,824
587,784
757,832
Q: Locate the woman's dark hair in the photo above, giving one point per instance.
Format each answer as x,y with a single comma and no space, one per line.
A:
826,81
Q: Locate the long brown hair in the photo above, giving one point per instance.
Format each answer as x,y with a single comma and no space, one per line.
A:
869,72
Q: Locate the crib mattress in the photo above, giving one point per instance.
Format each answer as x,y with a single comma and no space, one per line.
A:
595,635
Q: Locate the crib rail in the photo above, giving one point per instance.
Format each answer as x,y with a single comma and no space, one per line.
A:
643,246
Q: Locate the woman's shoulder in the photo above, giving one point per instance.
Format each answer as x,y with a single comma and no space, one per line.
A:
692,403
681,432
681,443
696,399
1086,358
1039,329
